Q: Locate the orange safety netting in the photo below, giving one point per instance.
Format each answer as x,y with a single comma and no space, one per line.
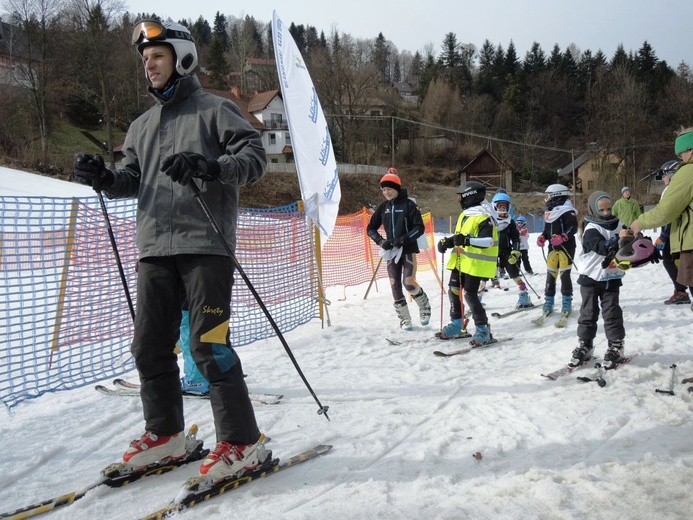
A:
350,257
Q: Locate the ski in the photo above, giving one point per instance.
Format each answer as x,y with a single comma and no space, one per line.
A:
562,321
411,341
514,311
408,341
469,348
601,370
195,492
541,319
565,370
124,388
599,377
115,475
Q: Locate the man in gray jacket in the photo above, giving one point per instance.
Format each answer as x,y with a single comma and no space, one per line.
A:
187,136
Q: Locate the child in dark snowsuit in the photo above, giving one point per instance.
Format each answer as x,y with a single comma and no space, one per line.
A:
600,282
560,226
509,247
401,219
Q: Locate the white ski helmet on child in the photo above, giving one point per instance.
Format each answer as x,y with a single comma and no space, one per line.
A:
557,190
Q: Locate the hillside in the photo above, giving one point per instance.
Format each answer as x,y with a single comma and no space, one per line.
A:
433,188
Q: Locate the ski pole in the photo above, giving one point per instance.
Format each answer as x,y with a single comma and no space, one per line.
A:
375,274
442,286
671,383
459,278
529,284
117,255
197,194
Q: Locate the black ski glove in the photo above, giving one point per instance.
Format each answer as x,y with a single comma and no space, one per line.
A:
461,240
399,241
386,245
90,170
183,166
444,244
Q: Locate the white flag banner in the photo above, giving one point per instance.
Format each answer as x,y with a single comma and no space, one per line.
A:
310,136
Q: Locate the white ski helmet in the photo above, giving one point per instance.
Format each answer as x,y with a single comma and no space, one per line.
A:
557,190
153,32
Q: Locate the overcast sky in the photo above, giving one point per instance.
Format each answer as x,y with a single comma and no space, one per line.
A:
410,25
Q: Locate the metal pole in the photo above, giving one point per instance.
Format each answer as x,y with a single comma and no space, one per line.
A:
392,143
227,247
117,255
572,162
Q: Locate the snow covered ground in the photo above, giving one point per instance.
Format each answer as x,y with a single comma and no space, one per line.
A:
406,425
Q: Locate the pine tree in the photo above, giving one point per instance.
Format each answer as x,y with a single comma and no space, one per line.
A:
220,30
219,68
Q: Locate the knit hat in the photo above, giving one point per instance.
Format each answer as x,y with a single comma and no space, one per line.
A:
391,180
625,189
684,142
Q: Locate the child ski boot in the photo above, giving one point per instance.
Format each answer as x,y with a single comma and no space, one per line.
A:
523,301
547,309
402,311
566,306
482,336
457,328
614,354
582,354
424,306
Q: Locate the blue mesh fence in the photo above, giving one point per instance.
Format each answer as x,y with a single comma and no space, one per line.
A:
64,319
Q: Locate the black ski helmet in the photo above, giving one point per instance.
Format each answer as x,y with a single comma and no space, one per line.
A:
669,168
471,193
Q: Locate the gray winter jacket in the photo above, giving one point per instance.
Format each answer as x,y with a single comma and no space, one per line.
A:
169,219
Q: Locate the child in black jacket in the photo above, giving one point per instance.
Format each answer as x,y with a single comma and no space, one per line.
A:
560,226
600,282
402,222
509,254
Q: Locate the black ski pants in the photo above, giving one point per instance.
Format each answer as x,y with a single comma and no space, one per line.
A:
162,285
470,284
402,274
592,296
525,261
670,266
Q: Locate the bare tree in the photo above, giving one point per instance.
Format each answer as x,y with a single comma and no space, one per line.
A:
96,76
35,18
244,44
618,119
346,79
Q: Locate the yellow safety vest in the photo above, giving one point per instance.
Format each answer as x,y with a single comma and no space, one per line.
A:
475,261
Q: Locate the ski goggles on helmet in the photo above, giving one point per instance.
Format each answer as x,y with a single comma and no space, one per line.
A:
154,30
148,29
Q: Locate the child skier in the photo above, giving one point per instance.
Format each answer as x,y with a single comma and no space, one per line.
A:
524,244
600,282
473,259
560,226
401,219
509,246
